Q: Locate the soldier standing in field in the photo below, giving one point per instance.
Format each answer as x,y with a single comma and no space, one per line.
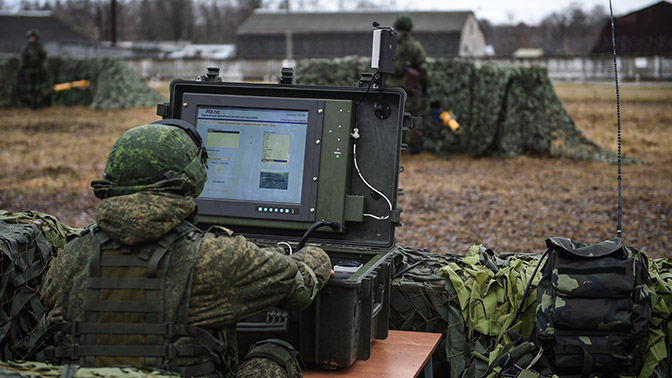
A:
33,85
410,74
145,287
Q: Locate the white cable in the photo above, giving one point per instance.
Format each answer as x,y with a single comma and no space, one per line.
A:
355,135
285,244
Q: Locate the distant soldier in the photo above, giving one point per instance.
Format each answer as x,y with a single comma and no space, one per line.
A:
410,73
33,85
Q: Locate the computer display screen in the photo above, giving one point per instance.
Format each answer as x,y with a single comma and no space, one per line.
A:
263,155
254,154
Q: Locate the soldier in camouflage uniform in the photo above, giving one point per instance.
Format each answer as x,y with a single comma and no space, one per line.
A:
410,73
33,85
144,279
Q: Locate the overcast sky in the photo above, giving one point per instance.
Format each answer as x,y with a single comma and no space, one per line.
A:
496,11
528,11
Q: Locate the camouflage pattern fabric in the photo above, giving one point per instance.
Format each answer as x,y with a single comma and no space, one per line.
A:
593,306
502,110
10,369
232,278
34,86
482,279
468,297
153,157
113,84
271,359
24,257
28,242
403,22
56,232
166,210
411,54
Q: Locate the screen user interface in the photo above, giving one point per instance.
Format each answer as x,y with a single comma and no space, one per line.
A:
254,154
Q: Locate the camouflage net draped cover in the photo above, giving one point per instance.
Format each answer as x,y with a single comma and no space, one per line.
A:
503,110
28,241
472,298
113,84
11,369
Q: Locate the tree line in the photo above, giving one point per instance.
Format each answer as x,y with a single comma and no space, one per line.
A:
569,31
201,21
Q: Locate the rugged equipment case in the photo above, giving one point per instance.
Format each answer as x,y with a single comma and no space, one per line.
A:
352,309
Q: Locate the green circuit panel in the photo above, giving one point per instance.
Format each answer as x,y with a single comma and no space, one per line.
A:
335,161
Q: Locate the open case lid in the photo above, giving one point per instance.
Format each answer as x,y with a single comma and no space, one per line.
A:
281,158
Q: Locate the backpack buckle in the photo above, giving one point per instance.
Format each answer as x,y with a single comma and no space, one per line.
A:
172,351
73,352
169,330
74,328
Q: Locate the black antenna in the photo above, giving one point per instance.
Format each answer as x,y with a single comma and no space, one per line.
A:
618,114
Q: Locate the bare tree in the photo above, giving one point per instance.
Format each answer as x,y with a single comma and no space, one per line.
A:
572,30
85,16
218,21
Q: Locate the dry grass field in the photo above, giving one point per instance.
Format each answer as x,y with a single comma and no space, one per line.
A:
49,156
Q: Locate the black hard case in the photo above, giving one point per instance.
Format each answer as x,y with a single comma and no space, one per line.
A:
349,312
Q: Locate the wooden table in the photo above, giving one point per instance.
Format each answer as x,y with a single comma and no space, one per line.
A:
402,355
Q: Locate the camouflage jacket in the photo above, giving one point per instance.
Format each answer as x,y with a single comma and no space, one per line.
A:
232,277
410,53
33,57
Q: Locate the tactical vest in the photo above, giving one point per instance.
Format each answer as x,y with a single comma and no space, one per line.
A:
135,309
593,307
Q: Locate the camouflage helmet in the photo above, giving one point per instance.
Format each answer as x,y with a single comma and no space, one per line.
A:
403,22
33,33
151,153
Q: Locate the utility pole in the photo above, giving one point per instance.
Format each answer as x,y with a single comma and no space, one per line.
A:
289,43
113,21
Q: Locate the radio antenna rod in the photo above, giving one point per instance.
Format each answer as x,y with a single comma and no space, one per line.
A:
618,115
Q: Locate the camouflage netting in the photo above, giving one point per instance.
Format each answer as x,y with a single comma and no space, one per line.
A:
471,298
12,369
113,84
503,110
28,241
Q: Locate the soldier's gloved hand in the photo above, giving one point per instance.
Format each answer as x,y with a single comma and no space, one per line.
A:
316,259
313,272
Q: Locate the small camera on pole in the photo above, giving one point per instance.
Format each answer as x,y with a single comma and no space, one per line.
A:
384,48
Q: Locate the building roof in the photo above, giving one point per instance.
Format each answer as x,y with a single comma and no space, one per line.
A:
265,22
14,25
524,52
646,31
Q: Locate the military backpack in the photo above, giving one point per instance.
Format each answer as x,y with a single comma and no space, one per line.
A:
593,307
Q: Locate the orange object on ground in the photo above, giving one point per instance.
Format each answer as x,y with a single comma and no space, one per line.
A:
73,84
